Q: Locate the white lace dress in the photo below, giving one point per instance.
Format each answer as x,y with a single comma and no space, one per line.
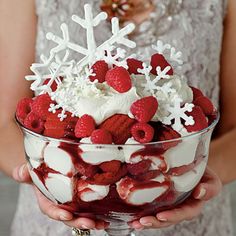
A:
195,28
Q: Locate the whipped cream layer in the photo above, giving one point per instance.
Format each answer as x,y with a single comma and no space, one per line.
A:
59,184
101,101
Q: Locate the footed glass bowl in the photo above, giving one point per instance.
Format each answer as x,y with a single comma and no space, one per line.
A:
117,183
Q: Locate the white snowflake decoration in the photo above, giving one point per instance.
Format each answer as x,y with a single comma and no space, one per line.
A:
112,57
65,45
150,84
177,113
175,56
164,91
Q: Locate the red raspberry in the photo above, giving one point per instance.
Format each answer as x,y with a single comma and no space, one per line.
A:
59,129
85,126
134,65
41,105
100,69
101,136
142,132
139,168
23,108
119,79
151,174
119,126
200,121
34,123
196,93
159,60
206,105
144,109
110,166
167,133
109,177
86,169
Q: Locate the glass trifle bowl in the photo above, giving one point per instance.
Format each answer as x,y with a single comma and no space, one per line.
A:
111,135
117,183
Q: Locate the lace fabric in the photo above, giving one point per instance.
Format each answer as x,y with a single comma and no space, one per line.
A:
193,27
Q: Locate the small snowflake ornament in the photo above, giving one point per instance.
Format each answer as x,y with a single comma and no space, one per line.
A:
150,84
177,113
175,56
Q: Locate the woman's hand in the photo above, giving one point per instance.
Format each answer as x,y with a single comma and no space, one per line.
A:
208,188
52,210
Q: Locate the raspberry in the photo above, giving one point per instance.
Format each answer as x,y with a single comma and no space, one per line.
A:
151,174
109,177
100,69
85,126
41,105
139,168
167,133
59,129
206,105
196,93
101,136
86,169
159,60
200,121
110,166
23,108
34,123
134,65
144,109
119,79
142,132
119,126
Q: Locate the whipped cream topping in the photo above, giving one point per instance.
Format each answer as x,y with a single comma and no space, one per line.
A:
100,105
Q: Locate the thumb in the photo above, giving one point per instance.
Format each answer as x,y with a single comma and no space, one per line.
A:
209,187
21,174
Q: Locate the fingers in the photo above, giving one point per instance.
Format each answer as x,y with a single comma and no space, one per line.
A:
21,174
51,209
81,223
187,211
148,222
209,186
54,212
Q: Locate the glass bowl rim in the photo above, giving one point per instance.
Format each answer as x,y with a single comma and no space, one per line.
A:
47,138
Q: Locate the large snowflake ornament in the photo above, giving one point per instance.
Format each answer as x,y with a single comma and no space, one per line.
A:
177,113
54,67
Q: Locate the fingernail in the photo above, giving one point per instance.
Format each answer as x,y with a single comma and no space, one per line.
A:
144,223
139,229
85,227
21,170
162,219
201,194
64,217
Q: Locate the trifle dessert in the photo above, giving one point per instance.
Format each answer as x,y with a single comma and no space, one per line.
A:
111,136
